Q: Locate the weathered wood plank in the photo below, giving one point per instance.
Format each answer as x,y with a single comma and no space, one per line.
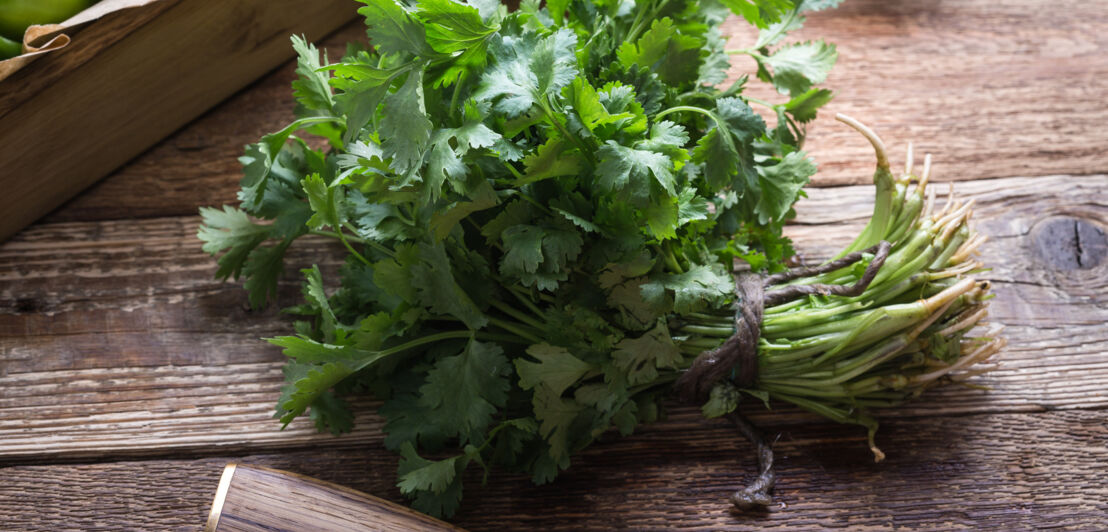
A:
993,88
997,472
964,79
115,339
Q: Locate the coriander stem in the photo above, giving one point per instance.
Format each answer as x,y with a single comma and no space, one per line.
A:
342,238
457,92
507,309
514,290
414,343
512,169
671,261
544,104
515,329
371,243
761,102
689,108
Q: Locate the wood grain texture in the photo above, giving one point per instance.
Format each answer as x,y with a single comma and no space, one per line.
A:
126,98
87,42
198,165
996,472
114,338
261,499
129,378
995,88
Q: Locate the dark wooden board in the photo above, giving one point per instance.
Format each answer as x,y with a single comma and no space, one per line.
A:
998,472
128,377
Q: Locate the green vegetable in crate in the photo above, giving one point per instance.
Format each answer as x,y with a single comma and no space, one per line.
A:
541,210
17,15
9,48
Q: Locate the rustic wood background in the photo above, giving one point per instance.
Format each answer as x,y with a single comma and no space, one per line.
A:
129,377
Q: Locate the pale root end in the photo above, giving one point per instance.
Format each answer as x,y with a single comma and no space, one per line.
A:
946,296
926,174
909,160
878,144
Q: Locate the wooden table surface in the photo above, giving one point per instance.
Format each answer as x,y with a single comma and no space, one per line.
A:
129,377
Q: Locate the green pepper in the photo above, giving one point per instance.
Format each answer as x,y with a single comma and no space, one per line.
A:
9,48
16,15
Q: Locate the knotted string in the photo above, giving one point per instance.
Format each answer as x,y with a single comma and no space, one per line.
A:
737,357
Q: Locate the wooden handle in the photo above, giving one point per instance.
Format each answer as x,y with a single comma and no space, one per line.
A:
255,499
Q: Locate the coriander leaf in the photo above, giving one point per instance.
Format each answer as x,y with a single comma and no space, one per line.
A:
263,267
522,249
803,107
393,30
452,26
324,201
377,221
436,487
648,89
631,171
458,31
308,351
258,162
662,218
796,67
331,414
230,229
726,151
713,70
467,389
640,358
317,297
444,221
405,128
552,159
627,114
417,473
577,209
780,184
593,115
527,69
362,87
723,399
556,369
760,13
487,8
443,164
318,380
515,213
740,119
699,287
312,89
667,138
663,49
406,420
556,415
476,135
627,297
691,206
436,289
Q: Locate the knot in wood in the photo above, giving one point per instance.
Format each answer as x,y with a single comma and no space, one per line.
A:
1068,243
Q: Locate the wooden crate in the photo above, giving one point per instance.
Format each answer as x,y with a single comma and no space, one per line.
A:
128,80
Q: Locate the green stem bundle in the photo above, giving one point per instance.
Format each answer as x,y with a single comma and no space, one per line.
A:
841,357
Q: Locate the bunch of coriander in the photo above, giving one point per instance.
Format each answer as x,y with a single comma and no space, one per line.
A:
540,207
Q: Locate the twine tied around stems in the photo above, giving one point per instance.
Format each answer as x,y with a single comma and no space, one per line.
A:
737,357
